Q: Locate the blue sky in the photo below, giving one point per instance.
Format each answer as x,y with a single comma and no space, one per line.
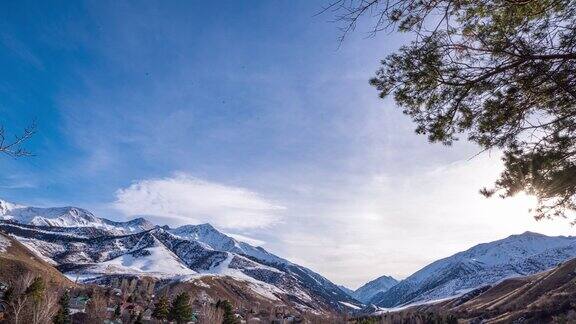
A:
243,114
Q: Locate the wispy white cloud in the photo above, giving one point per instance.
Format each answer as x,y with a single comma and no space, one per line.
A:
17,181
183,199
395,224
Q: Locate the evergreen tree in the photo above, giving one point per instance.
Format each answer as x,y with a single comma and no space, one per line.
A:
499,73
181,310
229,317
161,308
63,315
36,289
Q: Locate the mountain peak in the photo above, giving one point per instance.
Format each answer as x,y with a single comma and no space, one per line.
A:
197,227
531,234
207,226
139,221
374,287
6,206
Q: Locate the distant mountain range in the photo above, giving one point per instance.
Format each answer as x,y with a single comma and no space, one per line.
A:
90,249
374,287
483,264
68,217
545,297
87,247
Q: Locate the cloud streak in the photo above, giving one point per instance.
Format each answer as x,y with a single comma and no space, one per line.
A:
393,224
184,199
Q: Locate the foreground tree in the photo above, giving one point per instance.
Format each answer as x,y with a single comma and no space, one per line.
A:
63,314
161,308
44,308
36,289
502,72
229,317
17,298
181,310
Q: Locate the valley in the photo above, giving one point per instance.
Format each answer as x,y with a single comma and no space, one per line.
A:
75,248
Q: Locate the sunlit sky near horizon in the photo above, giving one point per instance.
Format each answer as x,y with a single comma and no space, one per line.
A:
246,115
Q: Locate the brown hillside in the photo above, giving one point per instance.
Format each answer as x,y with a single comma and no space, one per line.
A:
536,298
243,294
18,259
546,297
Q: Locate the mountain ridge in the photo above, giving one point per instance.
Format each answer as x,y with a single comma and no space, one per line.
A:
366,292
485,263
87,247
80,244
68,216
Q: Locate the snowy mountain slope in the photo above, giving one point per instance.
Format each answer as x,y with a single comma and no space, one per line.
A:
211,237
67,217
371,288
161,253
545,297
153,259
488,263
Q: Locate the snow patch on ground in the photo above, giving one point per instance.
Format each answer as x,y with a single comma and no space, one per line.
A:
403,307
350,305
264,289
159,261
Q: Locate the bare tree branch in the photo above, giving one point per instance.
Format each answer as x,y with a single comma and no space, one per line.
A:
15,147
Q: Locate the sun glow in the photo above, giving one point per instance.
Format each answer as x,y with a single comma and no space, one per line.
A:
516,216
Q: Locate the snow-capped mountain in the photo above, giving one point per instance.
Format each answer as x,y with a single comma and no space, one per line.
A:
483,264
212,238
370,289
86,247
68,217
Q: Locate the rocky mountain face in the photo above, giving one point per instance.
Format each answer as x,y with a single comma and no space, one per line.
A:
483,264
376,286
89,248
